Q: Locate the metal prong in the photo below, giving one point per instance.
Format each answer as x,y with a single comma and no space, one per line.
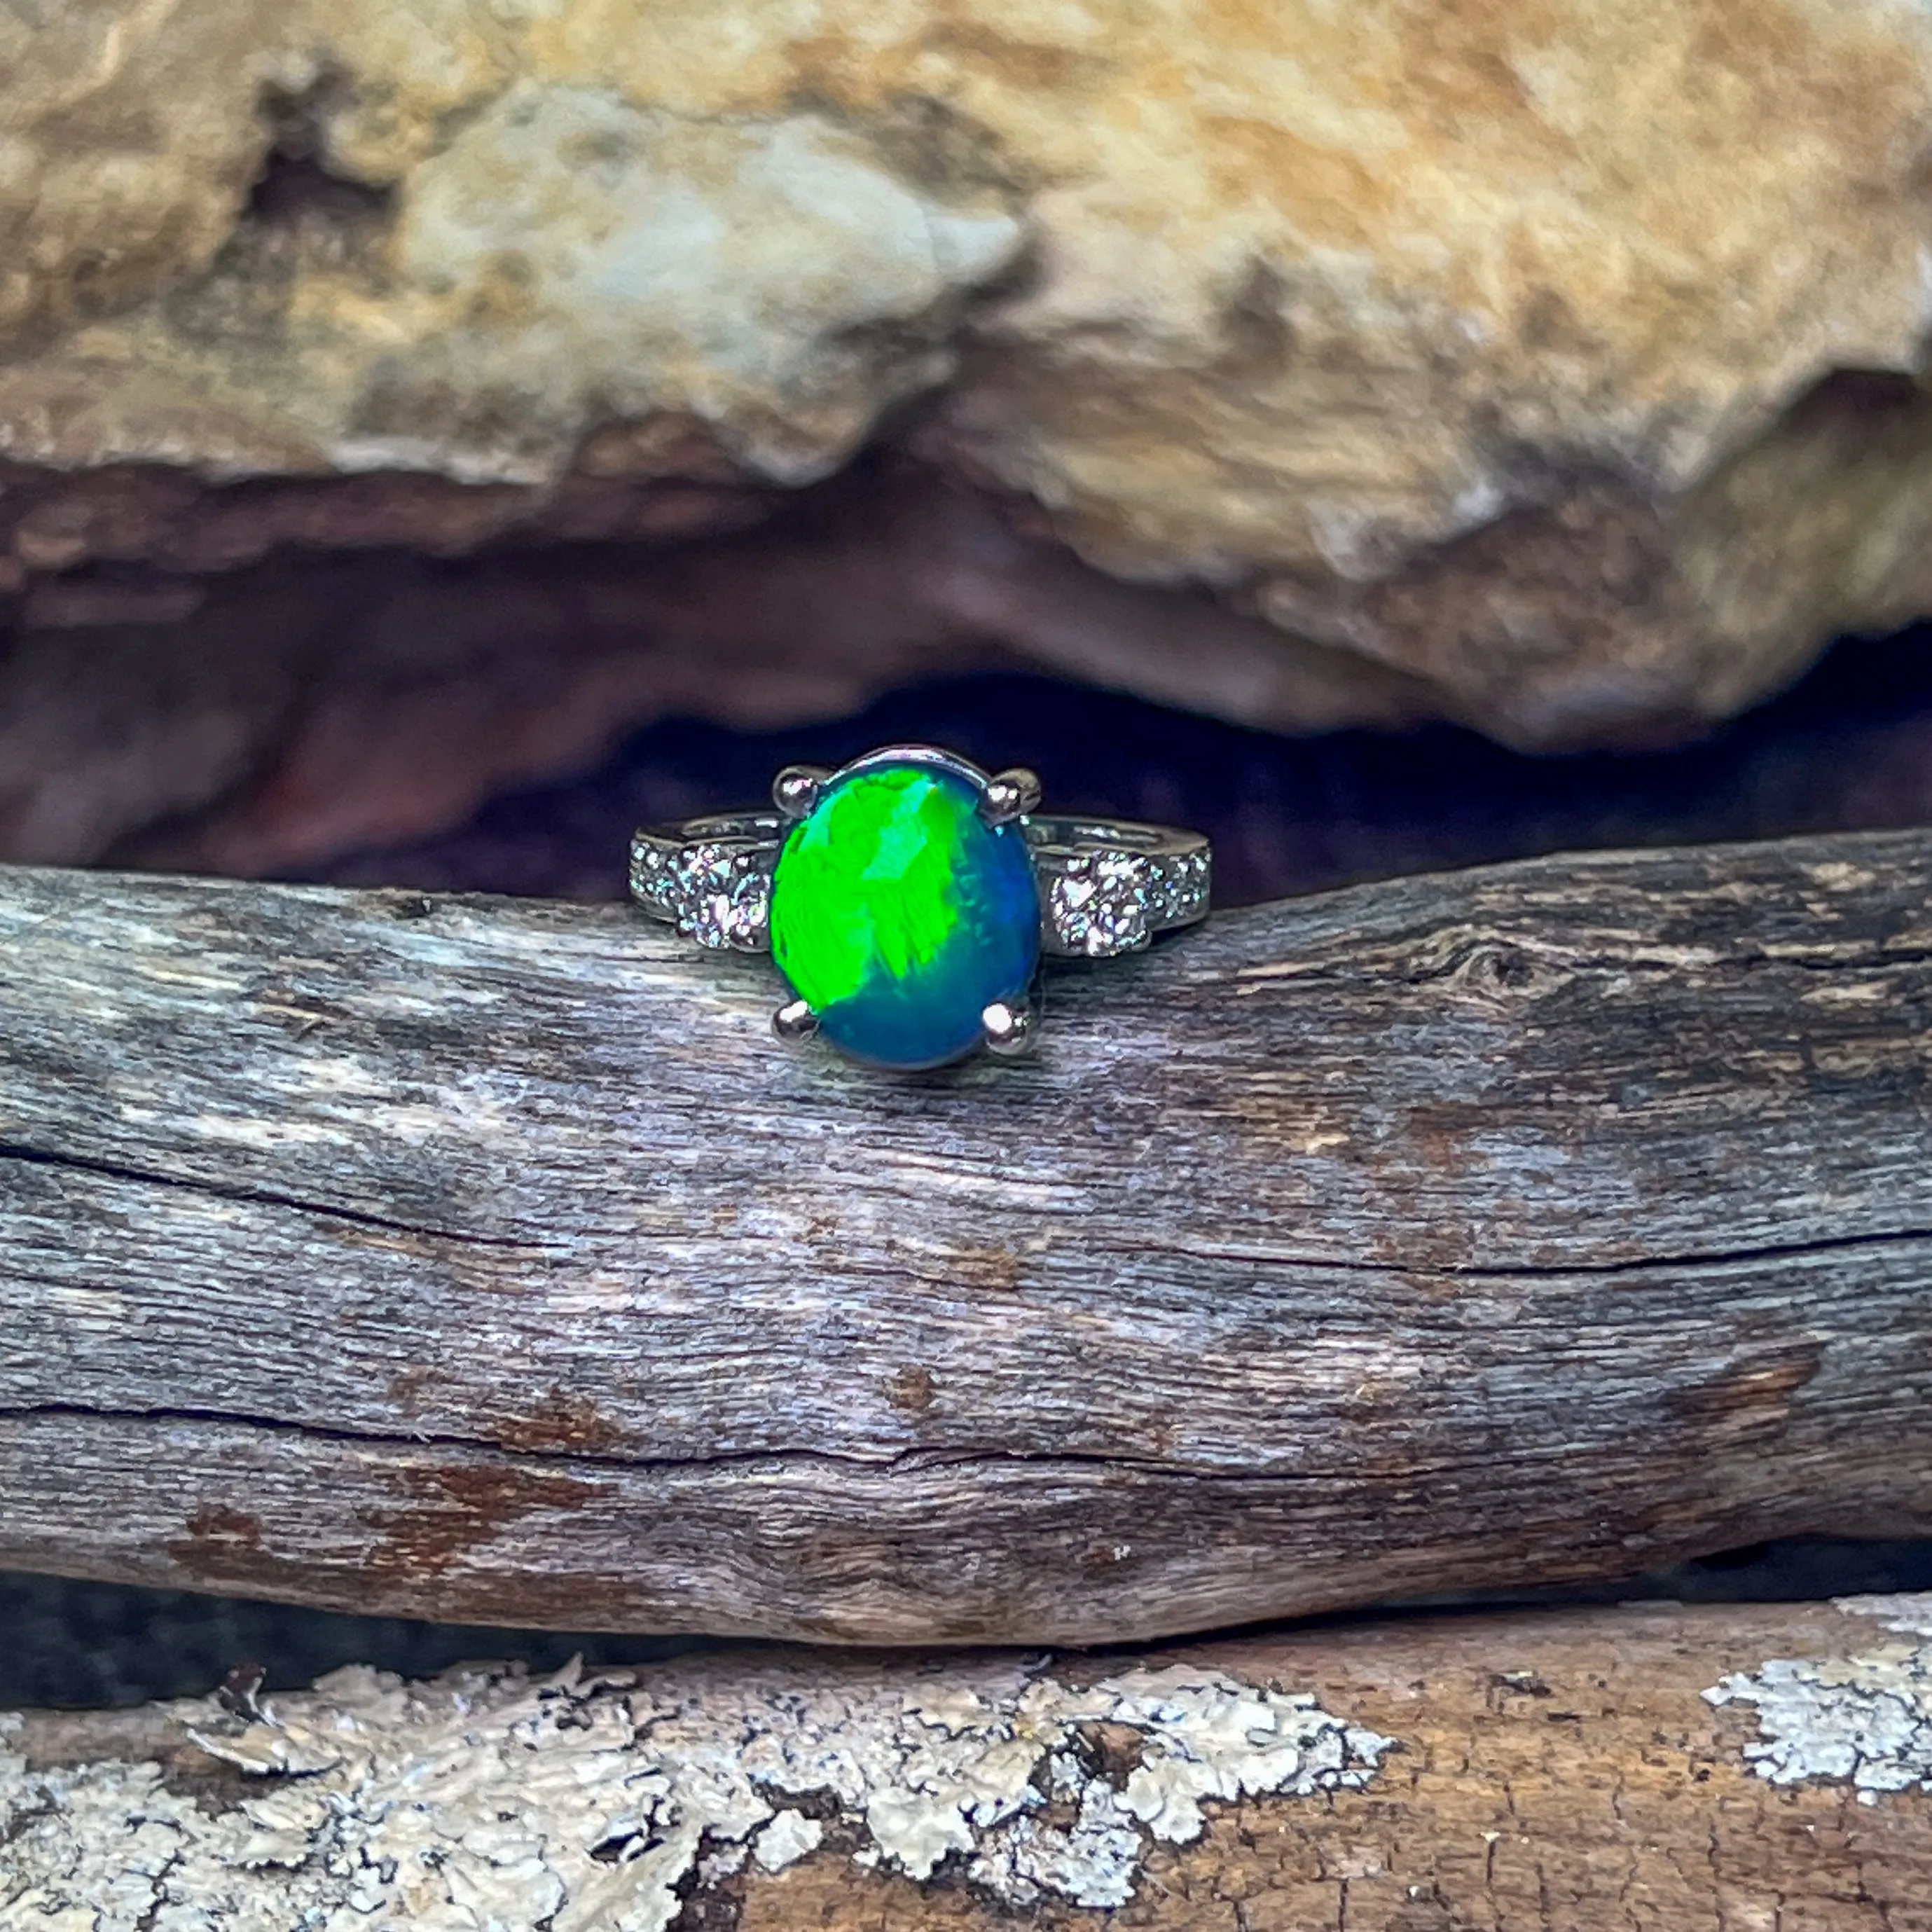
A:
796,789
794,1022
1011,795
1008,1029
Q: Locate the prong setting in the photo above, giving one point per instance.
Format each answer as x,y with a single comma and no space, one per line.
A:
796,789
1010,795
1008,1028
794,1022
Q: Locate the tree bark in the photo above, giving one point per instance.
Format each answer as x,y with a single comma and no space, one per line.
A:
486,1260
1666,1769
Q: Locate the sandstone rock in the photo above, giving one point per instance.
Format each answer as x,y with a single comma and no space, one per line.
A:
1498,346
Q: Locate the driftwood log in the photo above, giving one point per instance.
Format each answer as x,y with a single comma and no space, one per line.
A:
486,1260
1665,1770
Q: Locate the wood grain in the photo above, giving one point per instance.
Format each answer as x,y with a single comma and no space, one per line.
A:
485,1259
1548,1772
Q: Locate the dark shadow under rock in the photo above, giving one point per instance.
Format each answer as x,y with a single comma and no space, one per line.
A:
1849,748
94,1644
342,690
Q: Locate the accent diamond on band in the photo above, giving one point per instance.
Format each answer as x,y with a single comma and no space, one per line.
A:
716,888
899,889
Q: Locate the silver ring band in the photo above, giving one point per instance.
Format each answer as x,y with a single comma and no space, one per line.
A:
1106,886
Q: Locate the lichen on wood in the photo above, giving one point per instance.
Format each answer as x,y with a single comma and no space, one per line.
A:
596,1803
1864,1720
1549,1771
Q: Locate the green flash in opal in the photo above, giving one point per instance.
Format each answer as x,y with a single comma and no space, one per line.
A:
898,916
891,829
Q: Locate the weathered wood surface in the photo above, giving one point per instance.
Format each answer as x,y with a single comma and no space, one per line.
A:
486,1260
1719,1770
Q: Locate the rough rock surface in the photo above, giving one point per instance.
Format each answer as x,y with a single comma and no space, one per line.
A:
1498,345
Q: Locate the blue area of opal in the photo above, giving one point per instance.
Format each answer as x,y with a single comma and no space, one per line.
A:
899,915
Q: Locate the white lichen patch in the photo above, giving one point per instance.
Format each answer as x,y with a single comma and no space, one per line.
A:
486,1802
1909,1616
1864,1720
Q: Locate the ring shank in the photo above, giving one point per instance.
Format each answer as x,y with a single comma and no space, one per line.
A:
1106,886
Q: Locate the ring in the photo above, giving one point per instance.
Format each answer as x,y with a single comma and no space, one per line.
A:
907,898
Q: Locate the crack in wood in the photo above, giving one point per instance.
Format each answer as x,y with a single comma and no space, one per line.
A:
1474,1274
215,1190
1637,961
907,1462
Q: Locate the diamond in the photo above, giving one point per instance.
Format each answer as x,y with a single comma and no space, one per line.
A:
1099,903
722,896
1180,890
650,879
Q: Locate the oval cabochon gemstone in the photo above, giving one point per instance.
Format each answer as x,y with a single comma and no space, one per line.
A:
899,915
